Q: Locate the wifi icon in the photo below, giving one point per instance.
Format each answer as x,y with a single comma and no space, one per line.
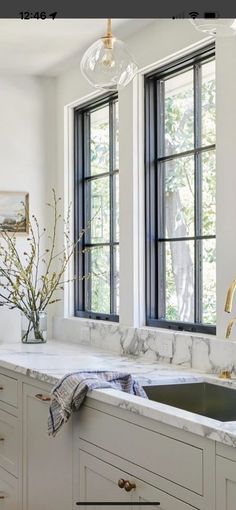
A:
193,14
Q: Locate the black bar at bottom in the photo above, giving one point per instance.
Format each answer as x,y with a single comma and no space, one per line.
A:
112,503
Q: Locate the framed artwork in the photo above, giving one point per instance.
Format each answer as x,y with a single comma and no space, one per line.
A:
14,212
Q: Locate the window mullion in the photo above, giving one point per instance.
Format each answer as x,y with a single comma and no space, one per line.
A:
190,152
78,208
87,207
91,178
151,199
160,207
198,194
111,192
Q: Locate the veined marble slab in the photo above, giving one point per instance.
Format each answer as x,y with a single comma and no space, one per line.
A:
201,352
49,362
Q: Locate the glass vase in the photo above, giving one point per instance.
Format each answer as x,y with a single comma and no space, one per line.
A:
34,327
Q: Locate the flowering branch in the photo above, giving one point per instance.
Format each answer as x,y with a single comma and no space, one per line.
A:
28,282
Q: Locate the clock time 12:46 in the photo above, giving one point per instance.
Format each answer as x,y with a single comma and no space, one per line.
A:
37,15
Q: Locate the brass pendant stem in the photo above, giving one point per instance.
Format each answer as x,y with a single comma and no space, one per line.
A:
108,38
109,32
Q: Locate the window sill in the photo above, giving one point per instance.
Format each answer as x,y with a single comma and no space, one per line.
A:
178,327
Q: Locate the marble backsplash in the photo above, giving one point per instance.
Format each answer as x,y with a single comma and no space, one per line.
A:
201,352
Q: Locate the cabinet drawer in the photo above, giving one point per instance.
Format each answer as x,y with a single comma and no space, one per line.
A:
8,491
8,390
170,458
99,483
225,484
47,461
9,443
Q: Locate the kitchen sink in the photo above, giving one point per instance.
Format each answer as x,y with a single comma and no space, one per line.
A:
213,401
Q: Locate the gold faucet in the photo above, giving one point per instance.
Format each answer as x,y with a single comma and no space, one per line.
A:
228,306
225,374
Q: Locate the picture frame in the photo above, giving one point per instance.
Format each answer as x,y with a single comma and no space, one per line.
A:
14,212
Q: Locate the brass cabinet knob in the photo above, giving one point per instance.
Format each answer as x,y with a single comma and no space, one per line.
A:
1,387
121,483
129,486
44,398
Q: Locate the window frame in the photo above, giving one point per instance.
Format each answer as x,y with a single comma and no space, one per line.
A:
152,207
81,177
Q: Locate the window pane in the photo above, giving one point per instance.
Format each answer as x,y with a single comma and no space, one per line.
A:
99,141
179,261
208,193
116,255
209,281
98,284
208,99
179,197
98,210
116,218
178,113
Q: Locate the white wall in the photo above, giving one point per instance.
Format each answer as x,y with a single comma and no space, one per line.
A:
226,175
27,154
162,40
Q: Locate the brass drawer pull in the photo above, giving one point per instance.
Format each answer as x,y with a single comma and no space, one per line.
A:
2,496
44,398
126,484
121,483
129,486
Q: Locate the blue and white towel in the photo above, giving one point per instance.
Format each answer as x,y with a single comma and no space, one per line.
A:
70,392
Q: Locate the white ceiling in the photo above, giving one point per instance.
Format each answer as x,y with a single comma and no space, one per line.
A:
47,47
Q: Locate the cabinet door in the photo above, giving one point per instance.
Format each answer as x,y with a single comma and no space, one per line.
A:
99,482
9,498
9,443
225,484
47,461
147,493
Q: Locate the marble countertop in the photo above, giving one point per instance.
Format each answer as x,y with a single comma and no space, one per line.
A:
49,362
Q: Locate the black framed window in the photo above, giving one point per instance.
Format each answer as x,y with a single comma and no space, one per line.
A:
97,209
181,194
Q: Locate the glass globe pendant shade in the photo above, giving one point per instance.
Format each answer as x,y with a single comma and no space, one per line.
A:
107,64
215,26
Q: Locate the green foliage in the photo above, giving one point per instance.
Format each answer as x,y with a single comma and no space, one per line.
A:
179,181
98,258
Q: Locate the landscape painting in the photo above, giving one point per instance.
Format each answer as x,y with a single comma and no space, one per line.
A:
14,212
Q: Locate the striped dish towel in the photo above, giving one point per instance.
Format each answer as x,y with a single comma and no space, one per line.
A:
70,392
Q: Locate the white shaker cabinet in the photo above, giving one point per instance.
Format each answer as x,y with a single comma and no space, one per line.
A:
225,478
225,484
9,494
172,466
100,481
99,446
47,462
10,444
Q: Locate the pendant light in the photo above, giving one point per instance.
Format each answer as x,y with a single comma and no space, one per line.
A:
215,26
107,63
